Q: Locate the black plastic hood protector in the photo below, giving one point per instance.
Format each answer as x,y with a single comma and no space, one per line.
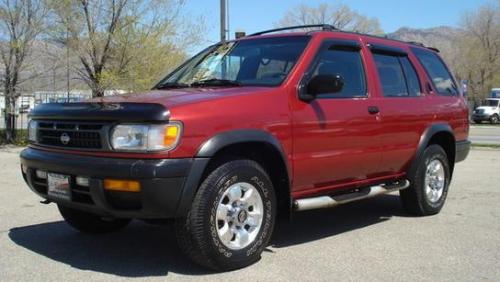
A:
123,112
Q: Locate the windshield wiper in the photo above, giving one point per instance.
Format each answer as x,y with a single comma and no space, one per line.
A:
215,82
172,85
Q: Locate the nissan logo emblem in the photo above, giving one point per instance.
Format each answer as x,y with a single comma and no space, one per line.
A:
65,138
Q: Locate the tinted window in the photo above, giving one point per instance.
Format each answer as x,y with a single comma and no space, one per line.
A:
346,63
391,75
437,71
412,80
397,75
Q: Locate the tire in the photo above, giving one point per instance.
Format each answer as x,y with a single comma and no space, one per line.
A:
198,234
415,198
476,121
91,223
494,119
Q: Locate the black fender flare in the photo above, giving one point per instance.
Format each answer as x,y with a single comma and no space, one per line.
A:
210,148
424,142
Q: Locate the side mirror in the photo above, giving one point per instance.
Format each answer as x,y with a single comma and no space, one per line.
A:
322,84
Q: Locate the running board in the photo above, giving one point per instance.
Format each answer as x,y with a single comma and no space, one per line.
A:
332,201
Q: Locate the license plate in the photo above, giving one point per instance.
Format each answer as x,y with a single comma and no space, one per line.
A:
58,186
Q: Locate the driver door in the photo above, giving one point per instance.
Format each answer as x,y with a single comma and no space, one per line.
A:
336,138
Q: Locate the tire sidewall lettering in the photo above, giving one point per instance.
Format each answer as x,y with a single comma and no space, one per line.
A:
255,246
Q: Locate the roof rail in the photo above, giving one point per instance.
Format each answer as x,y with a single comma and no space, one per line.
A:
423,45
416,43
322,26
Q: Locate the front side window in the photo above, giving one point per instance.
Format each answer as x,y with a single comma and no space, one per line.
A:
437,71
397,76
256,62
344,62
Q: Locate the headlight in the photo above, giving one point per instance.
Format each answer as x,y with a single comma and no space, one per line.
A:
32,127
141,137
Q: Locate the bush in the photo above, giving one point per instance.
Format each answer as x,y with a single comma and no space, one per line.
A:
21,137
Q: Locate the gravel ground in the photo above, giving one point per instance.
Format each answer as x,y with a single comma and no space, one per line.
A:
369,240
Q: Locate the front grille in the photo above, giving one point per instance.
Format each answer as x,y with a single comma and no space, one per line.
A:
70,135
480,111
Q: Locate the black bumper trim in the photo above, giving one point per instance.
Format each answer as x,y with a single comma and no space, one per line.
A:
462,149
165,188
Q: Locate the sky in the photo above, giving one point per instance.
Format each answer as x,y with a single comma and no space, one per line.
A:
256,15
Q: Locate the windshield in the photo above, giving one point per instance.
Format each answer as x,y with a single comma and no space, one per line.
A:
256,62
491,103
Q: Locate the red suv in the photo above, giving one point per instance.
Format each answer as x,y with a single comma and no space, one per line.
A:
252,129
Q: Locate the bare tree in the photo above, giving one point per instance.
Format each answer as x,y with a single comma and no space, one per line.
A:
21,21
107,35
479,46
340,16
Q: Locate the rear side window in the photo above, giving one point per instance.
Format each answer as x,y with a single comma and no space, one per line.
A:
437,71
412,80
346,63
397,76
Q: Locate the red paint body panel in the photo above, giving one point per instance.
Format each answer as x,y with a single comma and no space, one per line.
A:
329,144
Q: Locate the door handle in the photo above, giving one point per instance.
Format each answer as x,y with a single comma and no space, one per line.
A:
373,110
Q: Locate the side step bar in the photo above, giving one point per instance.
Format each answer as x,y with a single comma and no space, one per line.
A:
364,193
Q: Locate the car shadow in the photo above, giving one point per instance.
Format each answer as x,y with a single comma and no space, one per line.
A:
146,250
314,225
139,250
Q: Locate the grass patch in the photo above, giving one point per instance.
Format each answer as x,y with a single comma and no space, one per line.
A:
476,145
21,137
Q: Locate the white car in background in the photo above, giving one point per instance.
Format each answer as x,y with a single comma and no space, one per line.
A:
489,111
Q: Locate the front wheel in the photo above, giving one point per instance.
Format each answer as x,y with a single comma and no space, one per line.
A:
494,119
429,185
231,219
91,223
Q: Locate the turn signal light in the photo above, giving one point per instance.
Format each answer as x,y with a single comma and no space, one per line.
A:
171,135
122,185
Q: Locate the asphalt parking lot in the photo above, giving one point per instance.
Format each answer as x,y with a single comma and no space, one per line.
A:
369,240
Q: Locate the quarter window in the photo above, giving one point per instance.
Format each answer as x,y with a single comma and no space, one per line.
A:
345,62
437,71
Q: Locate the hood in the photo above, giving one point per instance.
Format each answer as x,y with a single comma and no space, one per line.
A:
486,108
175,97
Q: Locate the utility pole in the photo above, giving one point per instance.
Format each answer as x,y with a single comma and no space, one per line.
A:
222,20
67,65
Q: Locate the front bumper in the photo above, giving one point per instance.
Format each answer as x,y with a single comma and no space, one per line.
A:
165,189
481,117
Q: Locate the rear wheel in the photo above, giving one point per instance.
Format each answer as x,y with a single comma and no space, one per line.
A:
231,219
429,185
91,223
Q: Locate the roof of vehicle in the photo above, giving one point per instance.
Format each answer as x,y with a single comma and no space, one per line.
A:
317,28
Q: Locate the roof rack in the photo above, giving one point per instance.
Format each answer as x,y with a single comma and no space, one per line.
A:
322,26
328,27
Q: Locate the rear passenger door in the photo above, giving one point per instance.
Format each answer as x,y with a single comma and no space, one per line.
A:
400,107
